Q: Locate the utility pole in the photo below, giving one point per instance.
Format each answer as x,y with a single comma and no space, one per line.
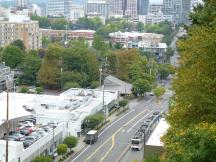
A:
7,126
53,143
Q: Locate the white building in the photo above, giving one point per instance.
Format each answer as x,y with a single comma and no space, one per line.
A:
125,37
76,12
36,10
69,109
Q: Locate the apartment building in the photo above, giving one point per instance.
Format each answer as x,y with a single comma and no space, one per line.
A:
125,37
71,34
6,77
19,27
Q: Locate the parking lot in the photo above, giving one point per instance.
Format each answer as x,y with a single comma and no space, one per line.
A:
28,131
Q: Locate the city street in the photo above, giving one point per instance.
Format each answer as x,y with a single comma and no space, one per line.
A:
114,141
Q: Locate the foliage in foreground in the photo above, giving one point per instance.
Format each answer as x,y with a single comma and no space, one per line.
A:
192,133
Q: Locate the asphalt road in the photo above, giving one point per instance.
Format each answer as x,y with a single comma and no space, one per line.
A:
114,141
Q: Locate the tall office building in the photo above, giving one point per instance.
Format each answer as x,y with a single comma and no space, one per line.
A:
59,8
179,9
21,4
186,9
115,7
123,8
99,7
142,7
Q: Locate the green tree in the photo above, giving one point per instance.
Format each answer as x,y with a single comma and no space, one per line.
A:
12,56
118,46
59,24
44,22
123,103
169,53
100,45
30,66
62,149
39,90
93,121
191,136
49,73
140,26
24,89
70,141
191,144
159,91
18,43
141,86
68,85
165,69
42,159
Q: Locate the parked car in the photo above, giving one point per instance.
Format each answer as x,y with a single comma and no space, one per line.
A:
25,123
36,135
32,137
25,131
31,120
41,132
47,128
17,137
32,128
27,143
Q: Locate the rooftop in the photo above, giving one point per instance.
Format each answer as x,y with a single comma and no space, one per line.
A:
159,131
77,102
134,34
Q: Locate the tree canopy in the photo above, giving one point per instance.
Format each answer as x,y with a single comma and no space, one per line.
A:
70,141
42,159
30,66
191,136
18,43
12,56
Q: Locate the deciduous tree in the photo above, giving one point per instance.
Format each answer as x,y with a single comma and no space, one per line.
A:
70,141
12,56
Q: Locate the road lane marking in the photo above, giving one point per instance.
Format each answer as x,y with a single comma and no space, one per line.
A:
113,143
115,122
123,153
139,121
150,100
103,132
89,157
80,153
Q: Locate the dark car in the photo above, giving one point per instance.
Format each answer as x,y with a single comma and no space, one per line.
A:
27,143
151,117
31,120
25,131
156,113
